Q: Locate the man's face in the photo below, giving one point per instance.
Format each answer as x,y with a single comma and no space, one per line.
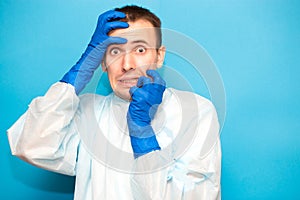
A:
125,63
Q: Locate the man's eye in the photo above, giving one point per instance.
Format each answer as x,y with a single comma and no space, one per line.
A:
115,51
140,50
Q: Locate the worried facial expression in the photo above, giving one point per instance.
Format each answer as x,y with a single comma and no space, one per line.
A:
125,63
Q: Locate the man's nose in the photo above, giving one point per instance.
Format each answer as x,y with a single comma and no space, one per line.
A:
128,62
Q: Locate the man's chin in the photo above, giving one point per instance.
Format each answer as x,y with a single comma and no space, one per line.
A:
125,95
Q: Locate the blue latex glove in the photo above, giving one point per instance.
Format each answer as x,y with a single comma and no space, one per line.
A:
81,73
146,97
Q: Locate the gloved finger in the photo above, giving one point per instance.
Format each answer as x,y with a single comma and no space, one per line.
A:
114,25
133,89
114,40
111,15
143,80
156,77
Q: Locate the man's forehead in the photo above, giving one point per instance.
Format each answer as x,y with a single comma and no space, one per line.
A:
140,30
137,25
134,32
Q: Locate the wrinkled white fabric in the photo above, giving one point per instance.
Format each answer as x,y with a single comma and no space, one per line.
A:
87,136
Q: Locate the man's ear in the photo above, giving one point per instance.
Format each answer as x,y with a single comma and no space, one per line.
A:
161,56
103,65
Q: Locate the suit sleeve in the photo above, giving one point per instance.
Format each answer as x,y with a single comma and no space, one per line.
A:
45,134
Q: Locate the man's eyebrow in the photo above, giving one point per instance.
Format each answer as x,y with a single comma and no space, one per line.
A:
139,41
132,42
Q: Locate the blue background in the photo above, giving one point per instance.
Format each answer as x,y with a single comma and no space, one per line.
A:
255,44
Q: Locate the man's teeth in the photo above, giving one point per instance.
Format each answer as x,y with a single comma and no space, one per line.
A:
129,81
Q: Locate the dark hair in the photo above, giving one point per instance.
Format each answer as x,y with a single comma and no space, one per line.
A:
134,13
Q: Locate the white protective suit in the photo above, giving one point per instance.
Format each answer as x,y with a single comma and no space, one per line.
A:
87,136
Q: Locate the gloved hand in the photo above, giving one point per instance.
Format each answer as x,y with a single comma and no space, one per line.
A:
81,73
146,97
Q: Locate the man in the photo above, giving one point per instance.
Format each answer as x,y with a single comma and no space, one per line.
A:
143,141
